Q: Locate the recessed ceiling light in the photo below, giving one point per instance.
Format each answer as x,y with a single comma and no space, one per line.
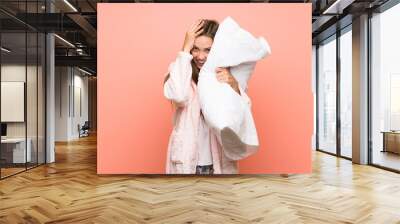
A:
5,50
84,71
64,40
337,7
70,5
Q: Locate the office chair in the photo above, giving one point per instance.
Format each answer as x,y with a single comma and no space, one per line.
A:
84,130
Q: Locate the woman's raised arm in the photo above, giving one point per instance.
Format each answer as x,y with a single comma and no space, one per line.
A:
178,81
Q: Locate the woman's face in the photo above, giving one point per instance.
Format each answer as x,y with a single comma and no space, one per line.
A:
201,48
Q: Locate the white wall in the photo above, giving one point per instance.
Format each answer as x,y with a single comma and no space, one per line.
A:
62,78
80,83
70,83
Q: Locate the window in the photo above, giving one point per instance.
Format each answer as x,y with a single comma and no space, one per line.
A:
385,88
346,92
327,95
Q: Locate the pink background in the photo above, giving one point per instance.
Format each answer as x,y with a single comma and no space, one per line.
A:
137,42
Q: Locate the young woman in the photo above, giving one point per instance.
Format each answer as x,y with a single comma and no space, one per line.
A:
193,148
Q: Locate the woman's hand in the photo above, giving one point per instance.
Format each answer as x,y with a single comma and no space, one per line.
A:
224,75
191,35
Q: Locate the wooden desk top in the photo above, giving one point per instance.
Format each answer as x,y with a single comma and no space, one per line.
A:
390,132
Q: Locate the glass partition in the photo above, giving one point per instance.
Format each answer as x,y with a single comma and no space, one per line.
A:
22,77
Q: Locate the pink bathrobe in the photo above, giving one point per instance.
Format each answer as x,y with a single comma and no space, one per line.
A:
182,155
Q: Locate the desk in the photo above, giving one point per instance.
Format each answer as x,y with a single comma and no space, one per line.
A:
391,141
13,150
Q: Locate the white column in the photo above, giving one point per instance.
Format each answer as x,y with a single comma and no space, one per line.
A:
50,91
360,90
50,110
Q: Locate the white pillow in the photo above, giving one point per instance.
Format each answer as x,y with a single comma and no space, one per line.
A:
225,110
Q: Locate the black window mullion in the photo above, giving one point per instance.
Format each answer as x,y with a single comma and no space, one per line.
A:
369,90
37,90
0,97
26,86
338,91
317,96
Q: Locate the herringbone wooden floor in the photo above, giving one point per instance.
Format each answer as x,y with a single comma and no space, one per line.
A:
69,191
